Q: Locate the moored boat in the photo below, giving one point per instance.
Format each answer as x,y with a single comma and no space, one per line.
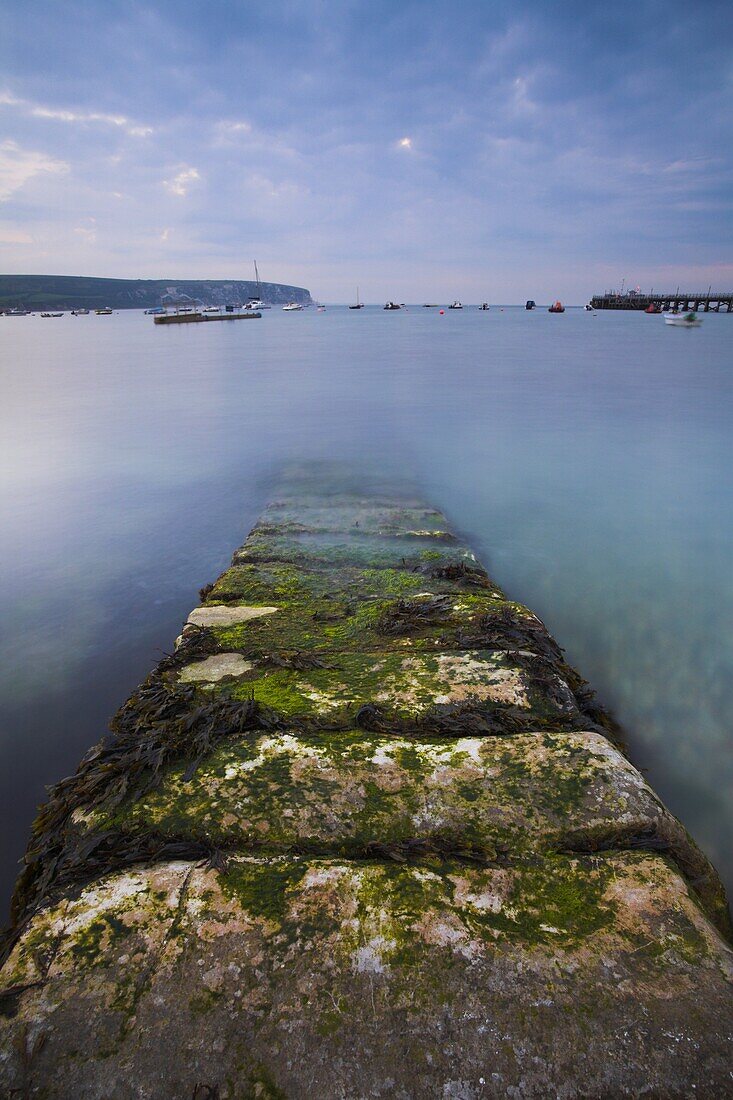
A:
256,302
79,312
682,320
558,307
529,304
456,305
292,307
484,306
392,305
52,315
105,312
359,304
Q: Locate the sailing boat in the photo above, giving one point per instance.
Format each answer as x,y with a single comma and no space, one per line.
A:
359,305
257,303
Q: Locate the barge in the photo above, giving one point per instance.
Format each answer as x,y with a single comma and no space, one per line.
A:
196,317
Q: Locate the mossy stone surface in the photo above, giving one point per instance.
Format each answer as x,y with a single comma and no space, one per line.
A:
360,837
342,792
320,975
408,685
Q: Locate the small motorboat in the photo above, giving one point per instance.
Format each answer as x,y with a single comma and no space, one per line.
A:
292,307
484,306
682,320
105,312
17,313
653,308
456,305
588,307
430,305
530,304
79,312
359,305
558,307
212,309
52,315
392,305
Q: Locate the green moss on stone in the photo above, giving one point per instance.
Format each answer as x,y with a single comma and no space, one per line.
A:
262,889
93,941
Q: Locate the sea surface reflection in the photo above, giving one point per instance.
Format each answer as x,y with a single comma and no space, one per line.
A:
589,457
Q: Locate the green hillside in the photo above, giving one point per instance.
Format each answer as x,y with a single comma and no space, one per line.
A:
76,292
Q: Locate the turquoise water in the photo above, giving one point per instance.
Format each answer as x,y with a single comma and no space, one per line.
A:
589,458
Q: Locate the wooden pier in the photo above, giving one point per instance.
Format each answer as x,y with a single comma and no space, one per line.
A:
707,302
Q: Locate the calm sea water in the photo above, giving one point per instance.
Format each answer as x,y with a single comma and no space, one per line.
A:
589,458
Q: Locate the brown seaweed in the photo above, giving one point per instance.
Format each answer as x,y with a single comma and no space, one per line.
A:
468,572
297,659
406,616
469,718
532,646
157,726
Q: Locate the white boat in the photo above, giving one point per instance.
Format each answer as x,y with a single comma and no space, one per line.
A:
292,306
103,312
257,303
682,320
484,306
79,312
456,305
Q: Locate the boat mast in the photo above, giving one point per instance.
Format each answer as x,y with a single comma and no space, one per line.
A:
257,279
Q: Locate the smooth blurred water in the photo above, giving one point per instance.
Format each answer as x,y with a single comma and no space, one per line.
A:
589,458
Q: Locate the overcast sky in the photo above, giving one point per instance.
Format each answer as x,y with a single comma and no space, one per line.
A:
422,150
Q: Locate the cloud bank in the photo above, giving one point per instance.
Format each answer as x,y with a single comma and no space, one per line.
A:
489,152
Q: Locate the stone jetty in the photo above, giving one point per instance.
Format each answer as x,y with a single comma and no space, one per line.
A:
363,834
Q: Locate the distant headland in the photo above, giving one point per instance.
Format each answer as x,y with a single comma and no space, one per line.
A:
81,292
